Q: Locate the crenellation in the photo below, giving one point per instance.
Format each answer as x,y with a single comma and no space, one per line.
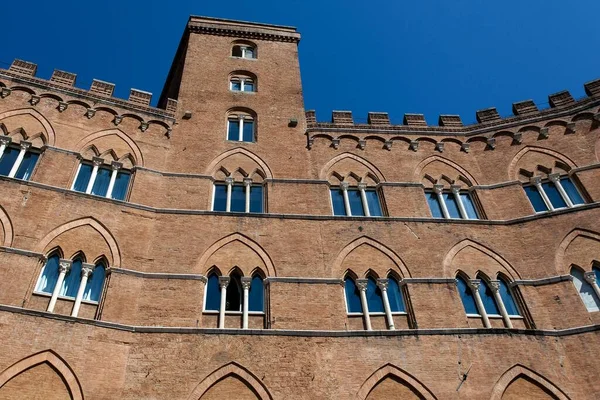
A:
63,77
140,97
592,88
378,118
561,99
342,118
524,107
414,120
102,88
23,67
172,106
488,115
311,117
451,121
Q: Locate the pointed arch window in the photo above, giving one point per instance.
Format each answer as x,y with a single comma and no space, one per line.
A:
451,203
487,298
97,178
353,304
17,161
585,289
95,283
233,300
553,193
70,284
467,297
358,201
507,298
256,295
212,294
395,296
374,297
48,276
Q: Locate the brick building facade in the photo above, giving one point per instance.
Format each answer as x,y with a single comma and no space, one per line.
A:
227,245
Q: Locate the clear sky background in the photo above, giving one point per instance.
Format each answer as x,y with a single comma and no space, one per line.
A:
430,57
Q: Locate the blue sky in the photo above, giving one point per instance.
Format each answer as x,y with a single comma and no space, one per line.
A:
430,57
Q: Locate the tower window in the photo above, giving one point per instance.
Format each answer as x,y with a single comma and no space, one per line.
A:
242,83
243,51
553,193
240,127
454,203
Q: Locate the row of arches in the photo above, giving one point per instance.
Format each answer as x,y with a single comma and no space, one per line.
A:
388,381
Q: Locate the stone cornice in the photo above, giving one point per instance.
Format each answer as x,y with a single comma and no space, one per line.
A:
301,333
241,29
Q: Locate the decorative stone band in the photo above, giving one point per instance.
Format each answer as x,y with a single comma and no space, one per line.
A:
158,275
223,27
542,281
428,281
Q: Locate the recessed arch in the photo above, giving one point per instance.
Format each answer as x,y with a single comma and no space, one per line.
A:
55,361
236,370
562,265
421,168
50,138
390,370
365,240
519,370
215,164
7,228
328,168
450,270
514,166
133,147
94,224
202,264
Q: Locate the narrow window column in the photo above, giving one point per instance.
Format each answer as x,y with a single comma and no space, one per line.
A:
537,182
24,147
495,286
241,132
438,189
344,186
363,196
247,188
555,178
461,206
116,166
97,163
86,271
383,285
223,282
246,281
362,286
63,267
590,278
474,285
229,182
4,142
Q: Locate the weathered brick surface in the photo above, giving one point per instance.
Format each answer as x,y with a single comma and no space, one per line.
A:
167,228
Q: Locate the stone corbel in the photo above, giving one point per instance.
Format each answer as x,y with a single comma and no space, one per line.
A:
335,143
517,138
62,106
439,146
90,113
544,133
466,147
362,143
571,127
491,143
144,126
34,100
387,145
169,133
414,145
118,119
5,92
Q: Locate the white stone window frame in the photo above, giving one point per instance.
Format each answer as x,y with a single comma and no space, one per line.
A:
555,178
241,117
24,147
224,281
494,285
362,187
63,268
98,163
456,191
230,182
244,49
242,79
382,283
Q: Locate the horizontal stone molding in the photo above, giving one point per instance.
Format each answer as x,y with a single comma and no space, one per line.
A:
429,281
542,281
22,252
301,333
246,30
158,275
312,281
483,222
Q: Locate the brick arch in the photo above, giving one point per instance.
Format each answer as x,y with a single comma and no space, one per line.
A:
514,166
55,361
562,265
338,264
49,136
202,264
519,370
215,164
450,170
134,150
329,168
450,269
390,370
231,369
7,228
87,221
